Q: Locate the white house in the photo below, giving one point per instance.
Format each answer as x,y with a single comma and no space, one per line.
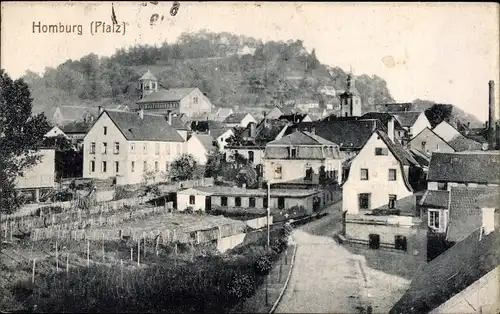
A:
412,121
199,145
446,131
40,176
378,175
221,136
126,145
239,119
55,132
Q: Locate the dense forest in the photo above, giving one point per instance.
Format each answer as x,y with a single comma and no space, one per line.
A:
271,73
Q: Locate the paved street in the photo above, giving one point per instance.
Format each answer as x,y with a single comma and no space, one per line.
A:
327,278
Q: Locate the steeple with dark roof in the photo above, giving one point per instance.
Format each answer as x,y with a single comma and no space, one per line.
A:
350,100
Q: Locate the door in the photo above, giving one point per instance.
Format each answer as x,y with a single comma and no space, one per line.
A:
374,241
208,203
316,203
281,202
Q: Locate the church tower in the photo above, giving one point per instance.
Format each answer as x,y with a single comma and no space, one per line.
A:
350,100
148,84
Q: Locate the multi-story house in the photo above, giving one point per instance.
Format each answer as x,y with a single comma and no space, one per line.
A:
428,142
40,177
239,119
156,99
412,121
126,145
379,175
301,155
63,115
200,145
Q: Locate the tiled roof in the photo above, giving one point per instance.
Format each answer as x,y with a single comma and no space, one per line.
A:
461,143
218,132
421,157
450,273
396,106
206,140
178,124
350,134
236,117
406,206
149,128
465,209
401,153
203,126
148,76
465,167
76,127
426,132
383,117
171,94
301,138
436,199
406,119
235,191
77,112
294,117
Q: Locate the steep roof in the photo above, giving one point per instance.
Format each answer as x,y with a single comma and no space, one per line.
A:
149,128
450,273
76,127
401,153
383,117
236,117
465,167
301,138
436,199
348,134
148,76
465,209
396,106
76,112
206,140
218,132
178,124
407,118
461,143
294,117
171,94
429,131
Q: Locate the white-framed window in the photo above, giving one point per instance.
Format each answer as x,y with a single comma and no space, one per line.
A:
278,172
381,151
157,148
392,174
192,200
434,218
364,174
116,148
392,201
104,166
195,100
92,148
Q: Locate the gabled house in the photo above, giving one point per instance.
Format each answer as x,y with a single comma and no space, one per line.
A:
126,145
66,114
221,114
200,145
446,131
412,121
300,155
40,177
55,132
464,279
76,131
296,117
385,120
382,173
221,136
461,143
239,119
428,142
277,112
316,114
395,107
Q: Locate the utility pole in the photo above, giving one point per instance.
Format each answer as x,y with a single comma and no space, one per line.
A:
268,212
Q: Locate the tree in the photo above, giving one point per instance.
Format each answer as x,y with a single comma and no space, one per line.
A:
248,176
183,168
21,135
60,143
213,168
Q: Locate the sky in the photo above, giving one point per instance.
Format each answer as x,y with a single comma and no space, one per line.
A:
445,52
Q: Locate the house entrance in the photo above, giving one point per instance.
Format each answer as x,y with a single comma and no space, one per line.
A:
208,203
374,241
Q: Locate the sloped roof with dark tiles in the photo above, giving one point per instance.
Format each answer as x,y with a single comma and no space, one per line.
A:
450,273
407,118
164,95
470,167
178,124
461,143
77,112
401,153
236,117
218,132
206,140
203,126
436,199
149,128
465,209
421,157
294,117
350,134
383,117
76,127
396,107
310,146
301,138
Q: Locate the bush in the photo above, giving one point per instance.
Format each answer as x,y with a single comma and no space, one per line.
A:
122,193
63,195
241,286
263,264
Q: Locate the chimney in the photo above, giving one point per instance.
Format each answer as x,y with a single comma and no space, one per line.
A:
141,113
491,115
390,129
101,109
253,132
488,223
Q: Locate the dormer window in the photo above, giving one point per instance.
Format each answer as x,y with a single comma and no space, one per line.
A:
195,100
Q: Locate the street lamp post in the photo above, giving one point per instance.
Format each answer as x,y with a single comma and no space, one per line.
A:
268,212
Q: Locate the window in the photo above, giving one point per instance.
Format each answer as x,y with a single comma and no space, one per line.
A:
191,200
281,202
145,148
105,130
443,186
132,148
423,144
116,148
265,202
132,166
381,151
157,148
92,148
117,166
392,174
277,172
309,173
400,243
364,174
237,201
103,166
104,149
195,100
392,201
374,241
167,149
437,146
92,166
167,166
364,200
145,166
223,201
251,156
335,174
251,202
293,152
157,167
434,219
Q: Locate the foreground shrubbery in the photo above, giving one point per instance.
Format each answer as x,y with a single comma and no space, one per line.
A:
214,283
